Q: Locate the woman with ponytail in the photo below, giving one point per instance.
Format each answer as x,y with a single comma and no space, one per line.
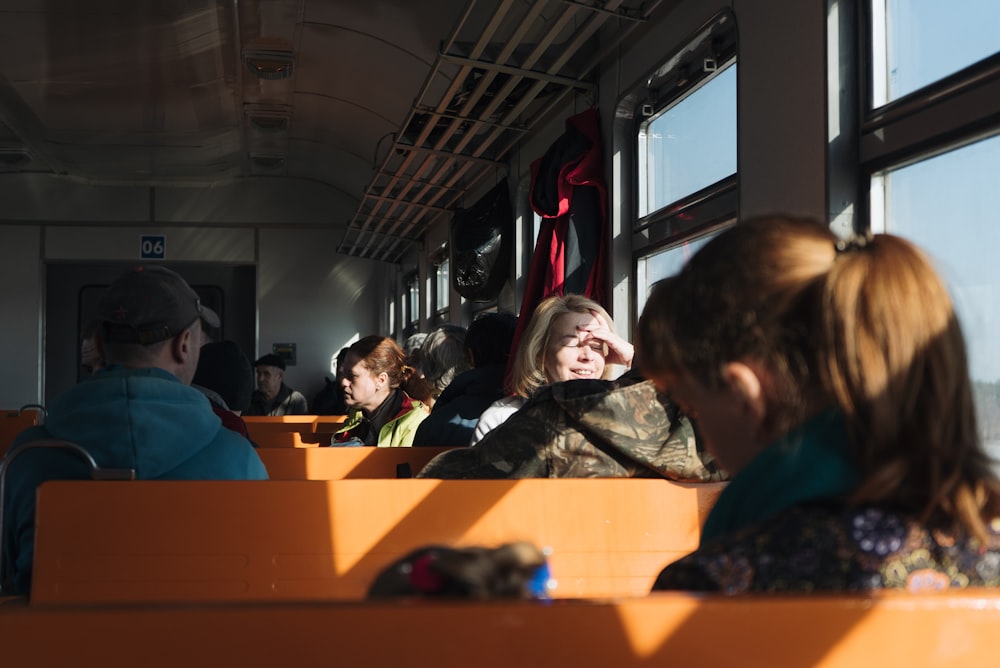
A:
381,412
830,378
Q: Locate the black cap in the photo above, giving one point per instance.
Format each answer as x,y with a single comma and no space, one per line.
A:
270,359
150,304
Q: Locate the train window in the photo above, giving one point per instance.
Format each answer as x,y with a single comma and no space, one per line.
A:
947,204
661,264
391,320
442,288
690,144
412,316
682,124
915,42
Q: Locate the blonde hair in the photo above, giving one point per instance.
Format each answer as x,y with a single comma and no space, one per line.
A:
866,325
528,371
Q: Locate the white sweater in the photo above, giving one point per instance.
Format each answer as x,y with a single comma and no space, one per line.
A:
496,415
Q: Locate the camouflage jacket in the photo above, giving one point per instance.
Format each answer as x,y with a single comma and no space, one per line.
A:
585,429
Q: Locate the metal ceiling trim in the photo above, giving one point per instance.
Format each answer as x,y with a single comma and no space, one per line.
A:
428,182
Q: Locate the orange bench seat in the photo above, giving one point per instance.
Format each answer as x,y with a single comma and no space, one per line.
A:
947,630
337,463
14,421
220,541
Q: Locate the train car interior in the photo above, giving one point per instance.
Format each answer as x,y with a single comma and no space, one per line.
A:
310,166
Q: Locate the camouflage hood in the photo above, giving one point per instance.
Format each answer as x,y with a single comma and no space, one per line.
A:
585,429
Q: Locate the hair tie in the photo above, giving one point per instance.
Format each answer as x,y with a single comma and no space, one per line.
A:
855,242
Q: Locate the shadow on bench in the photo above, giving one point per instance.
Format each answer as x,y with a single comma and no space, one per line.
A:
948,630
316,540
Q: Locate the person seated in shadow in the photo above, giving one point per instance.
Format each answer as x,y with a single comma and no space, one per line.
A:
441,358
412,345
569,337
138,412
382,413
512,571
225,377
830,377
417,386
456,411
586,429
272,396
330,400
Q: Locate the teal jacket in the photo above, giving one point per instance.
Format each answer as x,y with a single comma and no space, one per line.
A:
143,419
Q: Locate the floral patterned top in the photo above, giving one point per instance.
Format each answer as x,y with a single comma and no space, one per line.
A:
827,547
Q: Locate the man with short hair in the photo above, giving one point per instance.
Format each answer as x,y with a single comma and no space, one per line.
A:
138,412
272,396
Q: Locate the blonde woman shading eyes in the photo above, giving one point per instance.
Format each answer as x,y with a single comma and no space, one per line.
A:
569,337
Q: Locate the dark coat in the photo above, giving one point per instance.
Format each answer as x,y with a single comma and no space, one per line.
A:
831,547
457,410
286,402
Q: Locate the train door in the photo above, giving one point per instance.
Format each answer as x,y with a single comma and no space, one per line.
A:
73,289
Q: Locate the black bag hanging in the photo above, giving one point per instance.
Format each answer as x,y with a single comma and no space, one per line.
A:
482,237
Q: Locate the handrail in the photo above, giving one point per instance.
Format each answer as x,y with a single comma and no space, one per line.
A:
96,473
40,409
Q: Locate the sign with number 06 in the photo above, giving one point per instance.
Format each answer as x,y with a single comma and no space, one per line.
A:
152,246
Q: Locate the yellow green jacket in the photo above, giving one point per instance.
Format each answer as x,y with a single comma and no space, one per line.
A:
396,433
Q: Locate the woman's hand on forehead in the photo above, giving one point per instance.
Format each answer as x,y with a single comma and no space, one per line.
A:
620,351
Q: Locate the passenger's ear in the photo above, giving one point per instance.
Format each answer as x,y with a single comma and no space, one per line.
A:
182,346
748,386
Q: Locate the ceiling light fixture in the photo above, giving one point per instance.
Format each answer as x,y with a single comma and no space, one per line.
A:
14,155
268,161
270,64
270,123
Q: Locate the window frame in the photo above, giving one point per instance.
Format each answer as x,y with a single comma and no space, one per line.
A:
700,213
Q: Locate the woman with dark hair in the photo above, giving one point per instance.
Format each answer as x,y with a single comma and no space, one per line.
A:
381,412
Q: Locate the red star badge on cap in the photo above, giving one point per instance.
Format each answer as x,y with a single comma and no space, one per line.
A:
120,312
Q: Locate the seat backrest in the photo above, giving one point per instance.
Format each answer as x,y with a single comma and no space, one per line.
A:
263,424
289,439
336,463
946,630
308,540
13,422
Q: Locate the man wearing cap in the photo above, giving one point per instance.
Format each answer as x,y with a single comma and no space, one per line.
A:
272,396
138,412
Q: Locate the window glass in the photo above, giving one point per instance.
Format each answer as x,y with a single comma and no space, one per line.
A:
441,278
689,145
949,206
662,264
918,42
412,299
392,320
